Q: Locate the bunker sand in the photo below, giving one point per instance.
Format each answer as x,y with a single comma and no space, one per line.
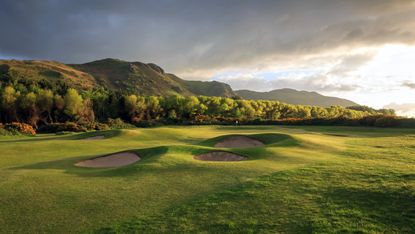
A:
113,160
238,142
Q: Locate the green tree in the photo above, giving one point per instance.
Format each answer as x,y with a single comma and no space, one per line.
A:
135,107
153,108
45,104
28,106
86,114
73,104
8,104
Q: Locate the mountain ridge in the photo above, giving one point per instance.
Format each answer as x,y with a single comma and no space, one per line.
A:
145,79
297,97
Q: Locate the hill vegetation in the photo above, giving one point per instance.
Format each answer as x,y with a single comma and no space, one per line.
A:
111,74
142,79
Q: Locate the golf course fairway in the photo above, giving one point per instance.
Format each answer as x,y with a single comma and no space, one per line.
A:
298,180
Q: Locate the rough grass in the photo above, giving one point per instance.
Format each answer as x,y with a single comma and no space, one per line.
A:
305,180
49,70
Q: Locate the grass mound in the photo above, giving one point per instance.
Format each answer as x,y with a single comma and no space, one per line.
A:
220,156
112,160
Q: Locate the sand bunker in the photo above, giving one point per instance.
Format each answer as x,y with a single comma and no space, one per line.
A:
113,160
94,138
219,156
238,142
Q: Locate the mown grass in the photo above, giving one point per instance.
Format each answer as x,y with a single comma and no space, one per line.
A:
304,180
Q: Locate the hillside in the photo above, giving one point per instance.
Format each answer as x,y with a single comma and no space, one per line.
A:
41,70
144,79
113,74
293,96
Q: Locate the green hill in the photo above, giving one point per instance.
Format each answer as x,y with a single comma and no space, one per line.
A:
32,71
293,96
144,79
113,74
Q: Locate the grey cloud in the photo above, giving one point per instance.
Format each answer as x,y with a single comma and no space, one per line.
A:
350,63
187,34
313,83
405,109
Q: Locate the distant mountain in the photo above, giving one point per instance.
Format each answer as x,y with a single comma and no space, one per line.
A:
148,79
113,74
143,79
293,96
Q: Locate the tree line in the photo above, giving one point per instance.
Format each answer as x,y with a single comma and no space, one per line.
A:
42,106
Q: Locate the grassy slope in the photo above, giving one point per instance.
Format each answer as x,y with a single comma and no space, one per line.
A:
149,79
317,179
48,70
114,74
145,79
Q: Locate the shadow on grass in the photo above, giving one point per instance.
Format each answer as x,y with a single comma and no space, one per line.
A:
106,134
394,208
253,153
69,136
354,131
287,202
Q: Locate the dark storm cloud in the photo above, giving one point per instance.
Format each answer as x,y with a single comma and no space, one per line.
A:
197,34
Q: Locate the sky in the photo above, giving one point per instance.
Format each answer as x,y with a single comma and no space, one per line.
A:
362,50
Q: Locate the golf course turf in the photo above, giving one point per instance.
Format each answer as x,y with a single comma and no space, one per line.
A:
301,180
219,156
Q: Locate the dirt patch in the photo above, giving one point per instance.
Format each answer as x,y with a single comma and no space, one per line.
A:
94,138
238,142
113,160
220,156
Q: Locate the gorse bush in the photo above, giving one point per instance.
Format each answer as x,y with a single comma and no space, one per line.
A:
62,127
21,128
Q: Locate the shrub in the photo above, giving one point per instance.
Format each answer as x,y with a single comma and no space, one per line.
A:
87,125
387,121
148,123
101,126
63,127
118,123
22,128
4,132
